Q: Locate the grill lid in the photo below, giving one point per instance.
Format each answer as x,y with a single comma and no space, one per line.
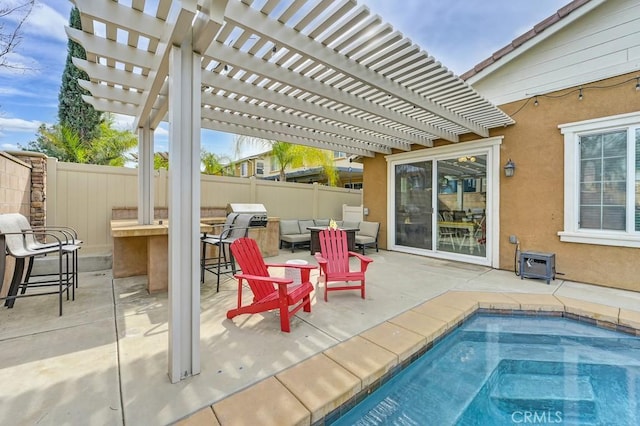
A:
246,208
257,210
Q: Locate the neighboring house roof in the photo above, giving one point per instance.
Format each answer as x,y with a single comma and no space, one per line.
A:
254,156
537,29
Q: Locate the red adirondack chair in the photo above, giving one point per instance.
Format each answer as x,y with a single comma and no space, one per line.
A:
334,262
269,292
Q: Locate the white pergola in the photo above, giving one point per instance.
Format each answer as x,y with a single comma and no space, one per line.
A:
322,73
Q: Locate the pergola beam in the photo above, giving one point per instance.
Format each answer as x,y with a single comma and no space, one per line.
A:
180,24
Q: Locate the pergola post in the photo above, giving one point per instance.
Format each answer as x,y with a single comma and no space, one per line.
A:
145,174
184,211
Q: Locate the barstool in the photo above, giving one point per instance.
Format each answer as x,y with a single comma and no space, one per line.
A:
224,262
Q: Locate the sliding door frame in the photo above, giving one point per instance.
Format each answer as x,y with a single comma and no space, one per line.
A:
489,147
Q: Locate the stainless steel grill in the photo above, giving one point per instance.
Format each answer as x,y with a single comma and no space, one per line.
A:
258,211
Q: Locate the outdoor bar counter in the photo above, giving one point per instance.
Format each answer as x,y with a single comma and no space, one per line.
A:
144,249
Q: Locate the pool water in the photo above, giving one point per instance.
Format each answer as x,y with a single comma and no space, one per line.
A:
506,370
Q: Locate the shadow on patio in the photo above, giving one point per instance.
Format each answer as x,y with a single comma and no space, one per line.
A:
71,369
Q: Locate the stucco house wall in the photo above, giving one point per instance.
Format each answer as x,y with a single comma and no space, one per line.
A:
532,202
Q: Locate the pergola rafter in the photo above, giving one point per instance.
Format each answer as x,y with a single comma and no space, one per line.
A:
322,73
357,72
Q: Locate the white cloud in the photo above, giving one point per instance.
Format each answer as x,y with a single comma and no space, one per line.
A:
122,122
46,20
18,64
19,125
161,131
9,147
43,20
16,91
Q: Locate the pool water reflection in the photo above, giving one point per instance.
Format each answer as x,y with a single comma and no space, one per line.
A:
498,370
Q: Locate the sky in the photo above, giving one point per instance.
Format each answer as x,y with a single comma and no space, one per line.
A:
458,33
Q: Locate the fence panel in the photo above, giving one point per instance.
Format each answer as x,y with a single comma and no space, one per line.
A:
83,196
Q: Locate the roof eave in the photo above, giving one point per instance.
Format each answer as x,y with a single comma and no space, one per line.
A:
564,17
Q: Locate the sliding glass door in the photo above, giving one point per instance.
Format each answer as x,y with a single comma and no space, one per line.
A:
441,204
414,204
462,204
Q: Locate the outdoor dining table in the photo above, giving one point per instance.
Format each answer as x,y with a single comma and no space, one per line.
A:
314,244
469,226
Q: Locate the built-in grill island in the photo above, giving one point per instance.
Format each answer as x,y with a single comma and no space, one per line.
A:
258,211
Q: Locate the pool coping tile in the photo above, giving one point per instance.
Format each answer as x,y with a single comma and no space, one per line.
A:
434,309
488,300
204,417
268,402
538,302
461,300
398,340
631,319
363,358
320,384
590,310
429,327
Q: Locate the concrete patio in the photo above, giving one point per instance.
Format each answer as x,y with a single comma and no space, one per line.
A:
105,360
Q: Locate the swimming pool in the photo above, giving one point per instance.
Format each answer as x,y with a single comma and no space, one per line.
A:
497,370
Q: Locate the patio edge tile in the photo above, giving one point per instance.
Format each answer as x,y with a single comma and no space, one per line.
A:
630,319
402,342
429,327
204,417
320,384
594,311
538,302
256,405
363,358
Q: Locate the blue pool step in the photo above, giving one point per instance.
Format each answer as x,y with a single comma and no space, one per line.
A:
571,393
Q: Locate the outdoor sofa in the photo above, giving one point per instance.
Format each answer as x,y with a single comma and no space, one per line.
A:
295,233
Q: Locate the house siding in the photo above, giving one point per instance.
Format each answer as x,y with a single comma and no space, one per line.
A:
602,43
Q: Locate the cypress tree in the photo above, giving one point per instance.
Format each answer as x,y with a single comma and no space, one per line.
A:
73,111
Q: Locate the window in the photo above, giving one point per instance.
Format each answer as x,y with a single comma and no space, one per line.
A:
275,164
244,169
602,181
259,167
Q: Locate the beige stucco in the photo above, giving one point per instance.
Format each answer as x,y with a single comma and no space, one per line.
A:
532,201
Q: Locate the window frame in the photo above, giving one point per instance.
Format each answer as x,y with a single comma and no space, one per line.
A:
572,132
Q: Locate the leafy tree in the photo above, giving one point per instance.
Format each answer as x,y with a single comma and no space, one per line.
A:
108,148
111,145
161,160
10,37
73,111
214,164
60,142
294,156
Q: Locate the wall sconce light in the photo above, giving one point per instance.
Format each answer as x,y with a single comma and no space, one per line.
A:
509,168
